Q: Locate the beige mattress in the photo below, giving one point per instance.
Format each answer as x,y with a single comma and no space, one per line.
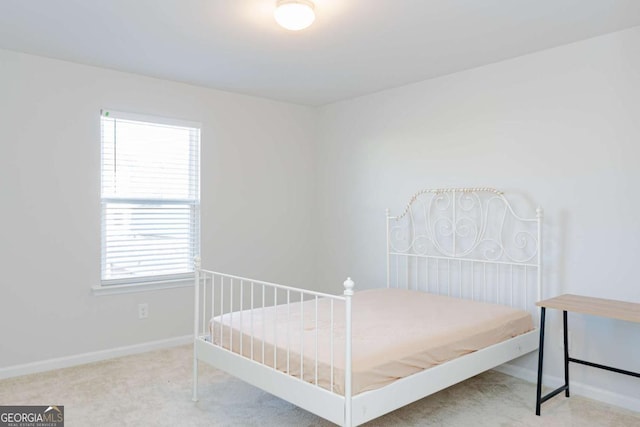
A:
396,333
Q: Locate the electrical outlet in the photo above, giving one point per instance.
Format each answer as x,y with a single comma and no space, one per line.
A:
143,311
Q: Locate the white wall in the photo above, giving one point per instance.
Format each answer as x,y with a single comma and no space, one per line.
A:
256,157
559,128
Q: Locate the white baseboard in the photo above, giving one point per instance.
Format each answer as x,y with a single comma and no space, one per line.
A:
578,388
81,359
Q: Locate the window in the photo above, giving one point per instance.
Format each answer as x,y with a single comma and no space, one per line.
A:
150,198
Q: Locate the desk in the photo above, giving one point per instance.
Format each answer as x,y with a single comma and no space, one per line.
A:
586,305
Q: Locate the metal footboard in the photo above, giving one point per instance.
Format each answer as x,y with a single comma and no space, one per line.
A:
276,327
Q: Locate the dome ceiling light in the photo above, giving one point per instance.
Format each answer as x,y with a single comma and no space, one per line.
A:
294,15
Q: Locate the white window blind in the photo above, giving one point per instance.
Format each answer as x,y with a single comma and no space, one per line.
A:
150,198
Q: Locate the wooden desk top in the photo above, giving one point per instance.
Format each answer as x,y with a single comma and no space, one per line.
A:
621,310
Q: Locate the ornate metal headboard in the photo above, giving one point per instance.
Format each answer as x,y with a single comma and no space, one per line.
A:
466,242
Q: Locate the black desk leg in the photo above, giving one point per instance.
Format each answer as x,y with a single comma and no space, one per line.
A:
540,356
566,354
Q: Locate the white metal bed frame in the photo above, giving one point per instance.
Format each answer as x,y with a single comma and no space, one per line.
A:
461,234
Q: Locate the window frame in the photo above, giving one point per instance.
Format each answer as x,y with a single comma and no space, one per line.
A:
155,281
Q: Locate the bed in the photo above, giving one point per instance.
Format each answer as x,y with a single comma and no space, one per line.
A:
463,273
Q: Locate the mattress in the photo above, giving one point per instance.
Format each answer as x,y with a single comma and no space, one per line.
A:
395,332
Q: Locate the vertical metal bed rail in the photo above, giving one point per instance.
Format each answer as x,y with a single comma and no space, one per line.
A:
230,314
331,348
388,249
251,315
196,319
316,338
453,223
539,217
302,335
275,329
288,331
241,339
203,282
348,293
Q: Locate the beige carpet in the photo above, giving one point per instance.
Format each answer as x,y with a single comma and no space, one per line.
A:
154,389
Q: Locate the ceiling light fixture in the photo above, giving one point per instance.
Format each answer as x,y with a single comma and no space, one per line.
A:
294,15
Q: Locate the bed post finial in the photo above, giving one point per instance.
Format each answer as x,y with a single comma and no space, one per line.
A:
348,286
539,212
197,263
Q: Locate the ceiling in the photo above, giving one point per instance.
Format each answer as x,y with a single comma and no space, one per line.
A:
355,47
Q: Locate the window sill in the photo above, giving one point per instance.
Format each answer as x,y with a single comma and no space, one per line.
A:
130,288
